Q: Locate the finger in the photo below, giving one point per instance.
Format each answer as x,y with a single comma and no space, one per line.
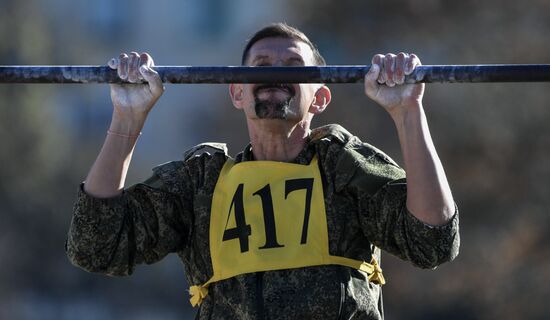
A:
146,59
412,63
123,66
378,60
399,74
133,65
113,63
389,69
371,79
153,78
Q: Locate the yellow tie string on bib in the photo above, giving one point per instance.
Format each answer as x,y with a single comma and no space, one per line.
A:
198,293
376,276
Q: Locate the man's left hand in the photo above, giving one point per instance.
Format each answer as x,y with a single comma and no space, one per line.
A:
384,83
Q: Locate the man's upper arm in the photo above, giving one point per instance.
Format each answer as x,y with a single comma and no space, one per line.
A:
142,225
380,188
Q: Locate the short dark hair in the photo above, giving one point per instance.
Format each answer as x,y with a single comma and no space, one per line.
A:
282,30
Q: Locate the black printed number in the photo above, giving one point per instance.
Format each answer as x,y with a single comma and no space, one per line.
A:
298,184
242,230
269,218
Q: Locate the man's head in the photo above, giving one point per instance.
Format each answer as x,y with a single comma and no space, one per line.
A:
282,30
280,45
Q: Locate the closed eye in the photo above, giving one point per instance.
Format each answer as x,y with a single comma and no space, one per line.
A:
294,61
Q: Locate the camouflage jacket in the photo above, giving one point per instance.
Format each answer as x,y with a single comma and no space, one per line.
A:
365,201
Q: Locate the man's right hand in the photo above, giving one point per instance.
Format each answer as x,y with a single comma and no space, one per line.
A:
132,102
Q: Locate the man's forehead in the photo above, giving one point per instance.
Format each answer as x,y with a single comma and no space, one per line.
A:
281,48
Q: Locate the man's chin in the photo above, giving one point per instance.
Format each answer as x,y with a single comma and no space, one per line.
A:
271,114
272,109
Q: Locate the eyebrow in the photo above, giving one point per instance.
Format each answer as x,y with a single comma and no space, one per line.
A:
260,57
293,58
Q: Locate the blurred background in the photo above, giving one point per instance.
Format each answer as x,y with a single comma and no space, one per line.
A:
494,141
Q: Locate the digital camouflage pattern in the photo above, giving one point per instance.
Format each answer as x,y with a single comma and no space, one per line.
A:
365,200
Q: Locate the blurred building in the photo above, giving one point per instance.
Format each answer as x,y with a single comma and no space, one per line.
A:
492,138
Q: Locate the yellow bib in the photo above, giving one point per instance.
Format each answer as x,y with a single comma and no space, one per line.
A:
270,215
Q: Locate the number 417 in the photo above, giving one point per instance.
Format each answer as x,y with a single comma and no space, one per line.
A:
242,230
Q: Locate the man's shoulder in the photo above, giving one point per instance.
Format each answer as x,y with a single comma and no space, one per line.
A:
333,133
207,149
352,161
345,142
197,160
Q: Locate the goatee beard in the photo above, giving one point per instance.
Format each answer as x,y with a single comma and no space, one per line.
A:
269,109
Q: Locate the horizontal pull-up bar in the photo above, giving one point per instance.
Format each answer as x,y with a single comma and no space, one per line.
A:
309,74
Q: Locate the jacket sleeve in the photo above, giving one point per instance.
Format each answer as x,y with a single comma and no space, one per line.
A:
380,189
142,225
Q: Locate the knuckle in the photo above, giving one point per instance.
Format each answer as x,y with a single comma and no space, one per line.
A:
401,60
144,58
399,66
398,74
390,68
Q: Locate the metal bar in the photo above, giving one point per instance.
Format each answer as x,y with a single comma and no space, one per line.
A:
309,74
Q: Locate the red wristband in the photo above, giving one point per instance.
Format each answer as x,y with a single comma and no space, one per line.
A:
123,135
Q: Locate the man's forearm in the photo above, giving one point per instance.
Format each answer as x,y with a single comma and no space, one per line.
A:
429,196
131,104
108,173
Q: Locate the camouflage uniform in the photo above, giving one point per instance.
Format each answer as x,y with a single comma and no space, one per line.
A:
365,200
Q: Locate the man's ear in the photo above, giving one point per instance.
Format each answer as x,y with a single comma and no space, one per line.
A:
320,100
236,93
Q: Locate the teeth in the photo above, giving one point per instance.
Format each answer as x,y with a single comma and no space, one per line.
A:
283,87
280,87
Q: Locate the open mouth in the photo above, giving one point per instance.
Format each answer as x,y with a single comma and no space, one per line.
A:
275,86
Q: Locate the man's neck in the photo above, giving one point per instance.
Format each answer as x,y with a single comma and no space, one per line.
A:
277,140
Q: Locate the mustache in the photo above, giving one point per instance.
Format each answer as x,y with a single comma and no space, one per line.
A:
286,87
